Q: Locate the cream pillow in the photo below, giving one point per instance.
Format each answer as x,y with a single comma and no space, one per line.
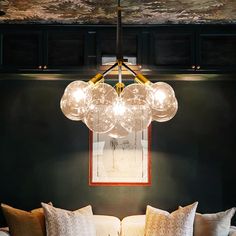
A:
178,223
217,224
61,222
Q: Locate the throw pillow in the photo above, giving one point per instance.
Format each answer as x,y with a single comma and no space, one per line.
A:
162,223
24,223
217,224
61,222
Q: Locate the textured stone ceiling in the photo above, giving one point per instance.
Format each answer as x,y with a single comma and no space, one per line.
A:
104,11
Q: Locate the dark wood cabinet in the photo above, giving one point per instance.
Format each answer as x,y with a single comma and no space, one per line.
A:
217,52
91,48
107,43
161,48
173,49
1,48
145,48
64,49
22,50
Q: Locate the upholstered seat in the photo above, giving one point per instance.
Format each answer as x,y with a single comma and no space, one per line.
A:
135,225
112,226
105,226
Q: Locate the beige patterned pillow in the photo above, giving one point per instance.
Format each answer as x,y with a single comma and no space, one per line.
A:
61,222
162,223
217,224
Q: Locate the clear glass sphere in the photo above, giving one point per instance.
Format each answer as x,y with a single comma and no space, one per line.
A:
119,108
137,117
165,115
161,96
118,131
100,117
103,91
74,100
119,111
135,91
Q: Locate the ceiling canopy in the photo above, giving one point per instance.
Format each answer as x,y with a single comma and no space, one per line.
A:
104,11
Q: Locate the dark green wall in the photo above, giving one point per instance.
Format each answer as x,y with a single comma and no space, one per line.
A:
44,156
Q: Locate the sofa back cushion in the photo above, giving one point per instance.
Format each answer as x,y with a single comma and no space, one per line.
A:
107,225
133,225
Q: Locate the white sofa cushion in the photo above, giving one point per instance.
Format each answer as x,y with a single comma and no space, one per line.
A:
133,225
107,225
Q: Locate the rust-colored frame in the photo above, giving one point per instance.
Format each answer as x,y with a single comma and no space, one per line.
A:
119,184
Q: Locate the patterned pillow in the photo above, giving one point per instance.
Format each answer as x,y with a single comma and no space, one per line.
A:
61,222
162,223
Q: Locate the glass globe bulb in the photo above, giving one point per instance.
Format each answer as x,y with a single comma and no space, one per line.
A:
165,115
161,96
119,108
100,117
118,131
137,117
74,100
102,91
135,91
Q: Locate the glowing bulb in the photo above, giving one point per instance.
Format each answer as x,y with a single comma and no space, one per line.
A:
135,91
163,102
160,96
119,108
79,95
74,100
100,116
165,115
137,113
137,116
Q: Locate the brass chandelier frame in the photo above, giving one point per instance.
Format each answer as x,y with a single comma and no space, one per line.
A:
120,63
147,101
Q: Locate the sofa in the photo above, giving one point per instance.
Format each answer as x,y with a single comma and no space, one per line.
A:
112,226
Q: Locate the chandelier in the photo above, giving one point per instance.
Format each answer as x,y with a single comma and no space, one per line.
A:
121,109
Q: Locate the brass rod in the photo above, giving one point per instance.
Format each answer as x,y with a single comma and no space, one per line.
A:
129,69
119,31
110,69
96,79
142,79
